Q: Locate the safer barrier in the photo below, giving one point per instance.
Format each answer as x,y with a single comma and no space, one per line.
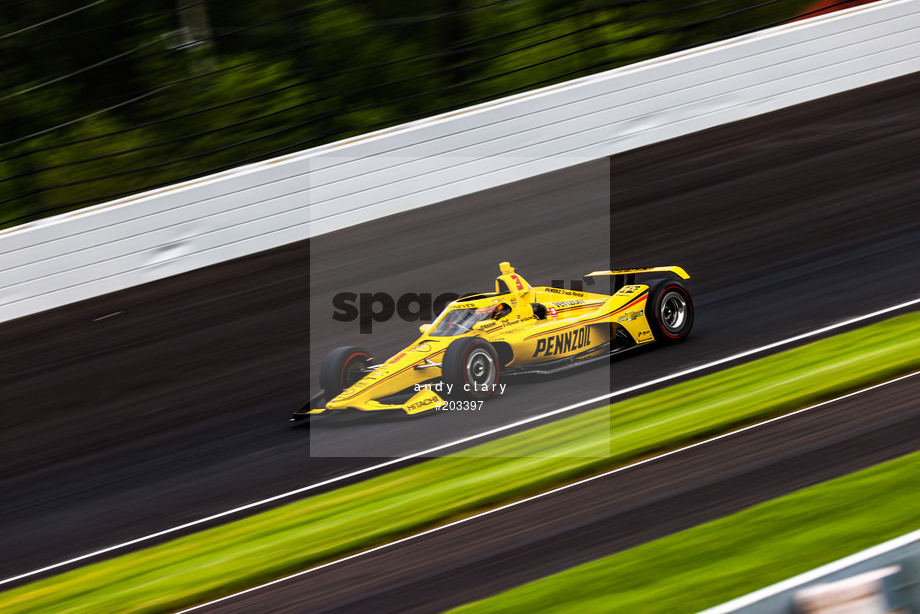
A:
898,587
79,255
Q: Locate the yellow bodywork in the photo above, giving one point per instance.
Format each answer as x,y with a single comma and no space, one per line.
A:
575,323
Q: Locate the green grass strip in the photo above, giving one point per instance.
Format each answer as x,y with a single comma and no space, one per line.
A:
713,563
241,554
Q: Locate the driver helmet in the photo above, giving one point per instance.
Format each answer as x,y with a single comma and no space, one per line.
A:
500,311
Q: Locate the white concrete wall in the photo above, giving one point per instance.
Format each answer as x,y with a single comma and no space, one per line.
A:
150,236
780,598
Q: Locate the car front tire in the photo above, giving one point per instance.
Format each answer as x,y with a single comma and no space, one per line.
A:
342,368
472,368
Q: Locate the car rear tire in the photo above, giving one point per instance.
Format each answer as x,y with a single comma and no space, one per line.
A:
472,368
342,368
670,311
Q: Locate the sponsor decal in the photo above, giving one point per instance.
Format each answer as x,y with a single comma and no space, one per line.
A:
645,335
561,291
564,343
632,303
426,402
508,326
552,313
564,304
629,316
356,388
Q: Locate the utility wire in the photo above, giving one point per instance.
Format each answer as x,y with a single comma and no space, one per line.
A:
301,124
339,94
79,119
362,68
76,72
235,66
31,44
61,16
389,102
631,37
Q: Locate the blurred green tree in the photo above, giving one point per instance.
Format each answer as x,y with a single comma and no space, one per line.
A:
107,97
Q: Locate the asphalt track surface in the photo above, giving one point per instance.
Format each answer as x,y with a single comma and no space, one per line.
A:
494,553
137,411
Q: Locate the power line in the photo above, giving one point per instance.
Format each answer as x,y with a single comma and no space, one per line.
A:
31,44
395,95
76,72
47,21
344,72
228,68
631,37
79,119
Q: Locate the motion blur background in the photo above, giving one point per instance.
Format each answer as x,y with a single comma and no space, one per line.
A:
133,407
107,98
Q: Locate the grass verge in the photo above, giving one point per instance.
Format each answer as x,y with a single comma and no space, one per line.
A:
241,554
710,564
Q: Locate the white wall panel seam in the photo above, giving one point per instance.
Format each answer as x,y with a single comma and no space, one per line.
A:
154,265
574,153
267,204
522,152
461,152
489,127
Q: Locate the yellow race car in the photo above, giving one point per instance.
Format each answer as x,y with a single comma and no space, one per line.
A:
461,357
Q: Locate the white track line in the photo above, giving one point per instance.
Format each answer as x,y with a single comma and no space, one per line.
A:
550,492
461,441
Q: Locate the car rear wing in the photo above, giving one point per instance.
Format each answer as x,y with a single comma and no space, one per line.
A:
627,277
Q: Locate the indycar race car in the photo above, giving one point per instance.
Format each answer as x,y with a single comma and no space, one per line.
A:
480,338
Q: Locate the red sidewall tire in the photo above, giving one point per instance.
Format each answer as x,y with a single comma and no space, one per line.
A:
671,311
338,369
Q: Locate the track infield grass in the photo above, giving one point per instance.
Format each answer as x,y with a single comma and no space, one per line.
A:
718,561
228,558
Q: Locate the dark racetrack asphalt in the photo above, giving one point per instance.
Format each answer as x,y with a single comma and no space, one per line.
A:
510,547
137,411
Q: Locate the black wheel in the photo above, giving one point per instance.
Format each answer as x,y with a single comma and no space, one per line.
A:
670,311
342,368
471,367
